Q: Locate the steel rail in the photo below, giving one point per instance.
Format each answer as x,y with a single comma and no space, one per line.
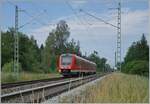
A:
37,88
49,90
10,85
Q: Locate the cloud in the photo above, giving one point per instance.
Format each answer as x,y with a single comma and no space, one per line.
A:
79,1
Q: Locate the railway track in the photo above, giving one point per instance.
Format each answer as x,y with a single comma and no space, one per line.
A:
41,93
10,85
13,87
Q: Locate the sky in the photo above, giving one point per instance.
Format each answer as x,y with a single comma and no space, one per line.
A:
43,15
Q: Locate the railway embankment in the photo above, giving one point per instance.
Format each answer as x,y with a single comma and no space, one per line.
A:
113,88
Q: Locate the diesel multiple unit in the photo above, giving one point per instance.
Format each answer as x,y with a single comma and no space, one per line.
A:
71,64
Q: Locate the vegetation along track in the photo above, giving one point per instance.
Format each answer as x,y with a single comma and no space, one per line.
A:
41,93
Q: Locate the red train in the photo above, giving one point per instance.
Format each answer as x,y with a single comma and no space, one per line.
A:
71,64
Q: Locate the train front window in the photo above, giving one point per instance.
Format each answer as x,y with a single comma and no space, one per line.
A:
66,60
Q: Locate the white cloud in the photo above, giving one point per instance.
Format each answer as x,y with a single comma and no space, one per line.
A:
79,1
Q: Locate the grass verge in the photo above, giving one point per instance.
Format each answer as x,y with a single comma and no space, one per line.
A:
25,76
114,88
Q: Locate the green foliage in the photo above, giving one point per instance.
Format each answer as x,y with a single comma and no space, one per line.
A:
137,58
28,50
7,46
53,64
8,67
140,67
138,51
137,67
100,62
8,77
29,53
73,47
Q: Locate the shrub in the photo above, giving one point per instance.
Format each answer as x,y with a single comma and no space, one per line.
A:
137,67
8,67
140,67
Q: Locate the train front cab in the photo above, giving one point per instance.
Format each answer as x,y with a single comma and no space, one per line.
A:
65,64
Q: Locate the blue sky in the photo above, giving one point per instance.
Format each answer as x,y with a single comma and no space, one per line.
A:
92,34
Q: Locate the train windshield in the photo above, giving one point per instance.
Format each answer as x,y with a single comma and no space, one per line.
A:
66,60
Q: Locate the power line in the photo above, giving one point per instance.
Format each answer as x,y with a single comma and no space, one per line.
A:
36,19
11,3
98,18
83,21
76,14
33,19
29,22
36,8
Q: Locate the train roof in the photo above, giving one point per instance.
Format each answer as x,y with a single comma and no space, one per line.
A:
66,54
85,60
69,54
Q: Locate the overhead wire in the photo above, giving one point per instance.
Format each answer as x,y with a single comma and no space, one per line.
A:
33,18
81,10
78,17
10,2
82,20
36,19
74,12
29,22
36,8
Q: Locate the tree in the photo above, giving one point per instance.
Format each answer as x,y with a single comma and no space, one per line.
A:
137,67
7,43
62,34
100,62
28,50
8,67
73,47
55,45
137,58
138,51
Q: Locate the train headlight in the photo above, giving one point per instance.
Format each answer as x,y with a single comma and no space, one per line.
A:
59,70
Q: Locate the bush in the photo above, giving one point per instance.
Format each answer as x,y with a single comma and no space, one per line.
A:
137,67
8,67
140,67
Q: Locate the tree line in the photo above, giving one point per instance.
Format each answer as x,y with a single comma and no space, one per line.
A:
44,58
136,60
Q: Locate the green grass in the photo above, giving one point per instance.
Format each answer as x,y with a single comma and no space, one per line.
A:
115,88
8,77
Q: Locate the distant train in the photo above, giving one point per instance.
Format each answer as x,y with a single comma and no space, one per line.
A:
71,64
